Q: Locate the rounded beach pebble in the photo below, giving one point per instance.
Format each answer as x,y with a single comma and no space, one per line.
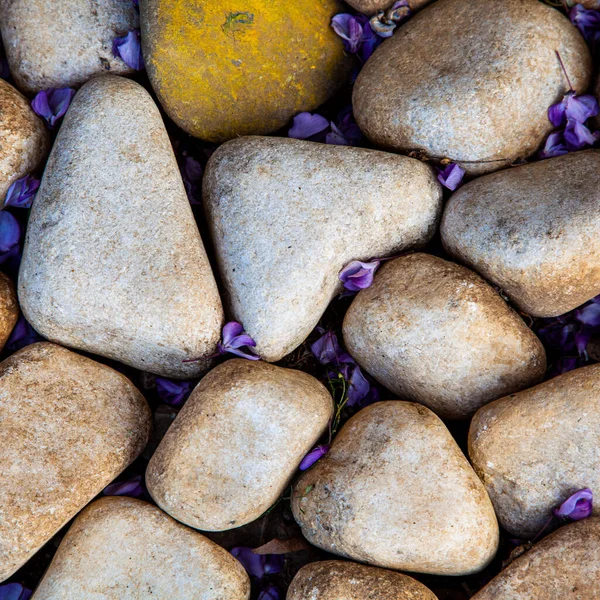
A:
69,427
396,491
9,308
472,83
236,443
533,231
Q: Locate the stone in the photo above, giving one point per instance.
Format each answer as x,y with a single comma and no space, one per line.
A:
237,442
337,580
532,231
534,449
247,68
396,491
24,140
9,308
113,261
69,426
563,566
590,4
468,82
371,7
43,53
287,215
434,332
125,548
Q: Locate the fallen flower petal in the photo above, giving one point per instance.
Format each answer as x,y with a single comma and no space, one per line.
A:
270,593
22,192
313,456
173,392
451,176
10,232
358,275
52,104
327,350
385,22
134,488
555,145
358,387
349,29
234,338
578,136
14,591
129,49
577,507
258,565
306,125
587,21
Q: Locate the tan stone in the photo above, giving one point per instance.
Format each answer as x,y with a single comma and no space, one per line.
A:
337,580
128,549
113,261
563,566
534,449
593,4
396,491
533,231
69,426
470,82
287,215
370,7
9,308
236,443
434,332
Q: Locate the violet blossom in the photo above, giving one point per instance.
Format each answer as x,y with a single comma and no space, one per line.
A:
129,49
235,338
22,192
577,507
52,104
271,592
23,334
306,125
587,21
14,591
313,456
573,107
133,487
358,275
451,176
10,234
327,349
357,34
358,386
258,565
343,132
173,392
578,136
555,145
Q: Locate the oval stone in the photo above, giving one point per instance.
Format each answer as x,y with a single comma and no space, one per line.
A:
69,426
113,261
287,215
337,580
434,332
468,82
225,71
534,449
371,7
128,549
237,442
63,43
533,231
396,491
9,308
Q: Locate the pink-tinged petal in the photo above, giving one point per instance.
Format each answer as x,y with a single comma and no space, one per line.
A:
306,125
313,456
577,507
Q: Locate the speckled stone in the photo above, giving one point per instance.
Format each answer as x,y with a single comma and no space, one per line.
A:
370,7
434,332
395,491
470,82
69,426
338,580
237,442
534,449
128,549
24,140
533,231
9,308
113,261
287,215
563,566
593,4
63,43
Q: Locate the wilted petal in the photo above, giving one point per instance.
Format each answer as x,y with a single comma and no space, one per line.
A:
587,21
349,29
336,137
358,388
306,125
230,331
576,507
270,593
451,176
22,192
578,136
258,565
580,108
129,49
327,350
556,113
173,392
10,232
358,275
52,104
134,488
555,145
313,456
242,340
14,591
233,338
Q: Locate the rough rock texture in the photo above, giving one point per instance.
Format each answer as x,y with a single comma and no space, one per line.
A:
236,443
467,81
24,140
221,71
113,260
128,549
9,308
370,7
69,426
396,491
337,580
534,449
563,566
286,216
533,231
436,333
42,52
593,4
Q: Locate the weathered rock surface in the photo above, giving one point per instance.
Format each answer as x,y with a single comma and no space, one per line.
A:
236,443
563,566
286,216
246,68
534,449
396,491
24,140
9,308
370,7
128,549
69,426
434,332
337,580
113,261
63,43
469,82
533,231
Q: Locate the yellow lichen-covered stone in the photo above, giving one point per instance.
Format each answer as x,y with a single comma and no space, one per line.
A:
244,67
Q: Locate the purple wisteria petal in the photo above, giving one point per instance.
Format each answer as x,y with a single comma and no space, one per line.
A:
577,507
22,335
370,41
349,29
358,387
327,350
556,114
306,125
578,136
233,338
258,565
586,20
230,331
451,176
14,591
347,126
22,192
313,456
134,488
52,104
589,314
555,145
581,108
336,137
358,275
10,232
271,592
129,49
173,392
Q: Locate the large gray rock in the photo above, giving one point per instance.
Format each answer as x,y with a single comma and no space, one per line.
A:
533,231
113,261
286,216
467,81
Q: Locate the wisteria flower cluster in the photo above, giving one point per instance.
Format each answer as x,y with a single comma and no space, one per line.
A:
343,132
588,23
